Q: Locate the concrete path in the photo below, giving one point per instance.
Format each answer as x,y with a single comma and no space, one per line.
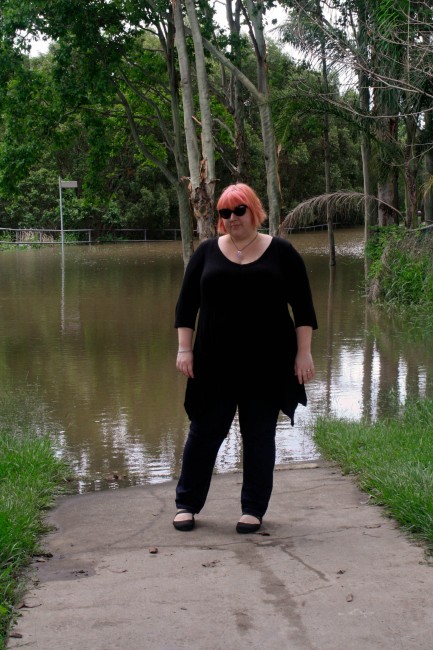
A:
327,572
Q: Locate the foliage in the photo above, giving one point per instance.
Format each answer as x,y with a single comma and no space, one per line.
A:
385,48
391,460
66,112
117,188
401,268
29,477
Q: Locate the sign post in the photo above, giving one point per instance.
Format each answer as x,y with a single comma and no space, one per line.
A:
64,185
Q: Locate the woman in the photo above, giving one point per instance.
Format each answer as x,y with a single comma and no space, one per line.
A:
248,354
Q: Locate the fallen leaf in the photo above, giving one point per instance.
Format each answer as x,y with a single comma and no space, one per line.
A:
211,564
16,635
341,571
153,550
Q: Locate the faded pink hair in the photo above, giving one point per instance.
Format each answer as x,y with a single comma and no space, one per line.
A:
241,194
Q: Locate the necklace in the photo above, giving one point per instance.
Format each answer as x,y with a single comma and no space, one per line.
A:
239,250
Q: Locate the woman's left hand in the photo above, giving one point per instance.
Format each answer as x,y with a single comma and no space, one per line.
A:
304,367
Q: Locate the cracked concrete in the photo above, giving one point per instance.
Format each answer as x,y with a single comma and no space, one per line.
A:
327,571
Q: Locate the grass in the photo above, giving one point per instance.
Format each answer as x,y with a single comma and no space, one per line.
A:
30,476
392,461
401,267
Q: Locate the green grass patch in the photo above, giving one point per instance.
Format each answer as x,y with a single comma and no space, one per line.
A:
30,476
401,267
392,461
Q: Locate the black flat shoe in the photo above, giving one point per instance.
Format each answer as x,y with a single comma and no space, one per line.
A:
186,524
243,528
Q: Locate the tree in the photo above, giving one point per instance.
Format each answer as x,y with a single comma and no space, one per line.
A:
387,45
96,40
201,168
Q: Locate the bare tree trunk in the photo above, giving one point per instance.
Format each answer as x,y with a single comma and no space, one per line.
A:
369,209
203,195
385,195
329,218
326,147
185,215
387,131
364,103
201,171
185,219
235,93
271,162
255,15
260,93
410,173
428,198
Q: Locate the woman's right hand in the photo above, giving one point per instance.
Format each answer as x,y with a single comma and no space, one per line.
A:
184,363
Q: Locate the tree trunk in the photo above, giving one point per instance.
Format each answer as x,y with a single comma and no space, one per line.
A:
410,173
326,147
185,215
268,134
428,199
385,195
187,97
185,219
271,162
428,161
203,194
369,209
202,185
255,15
364,103
235,94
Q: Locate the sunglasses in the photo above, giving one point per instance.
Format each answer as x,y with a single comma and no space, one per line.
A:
238,211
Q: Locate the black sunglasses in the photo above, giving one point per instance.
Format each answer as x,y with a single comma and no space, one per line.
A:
239,211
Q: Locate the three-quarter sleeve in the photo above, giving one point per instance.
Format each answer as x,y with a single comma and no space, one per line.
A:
188,303
299,294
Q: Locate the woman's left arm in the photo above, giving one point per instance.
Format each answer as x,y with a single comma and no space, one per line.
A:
304,365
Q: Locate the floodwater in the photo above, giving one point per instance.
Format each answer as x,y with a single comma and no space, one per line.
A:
91,335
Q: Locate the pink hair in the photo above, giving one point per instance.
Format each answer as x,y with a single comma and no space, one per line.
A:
241,194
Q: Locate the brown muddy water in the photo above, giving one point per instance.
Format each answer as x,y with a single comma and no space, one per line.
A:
91,335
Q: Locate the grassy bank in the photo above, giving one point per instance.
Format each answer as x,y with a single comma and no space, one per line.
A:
29,477
401,267
392,460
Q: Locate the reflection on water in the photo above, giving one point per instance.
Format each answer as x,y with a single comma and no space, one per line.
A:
93,336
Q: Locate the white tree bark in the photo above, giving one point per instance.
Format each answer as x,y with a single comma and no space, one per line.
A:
201,168
255,14
187,96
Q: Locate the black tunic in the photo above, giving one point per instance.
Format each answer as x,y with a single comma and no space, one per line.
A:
245,339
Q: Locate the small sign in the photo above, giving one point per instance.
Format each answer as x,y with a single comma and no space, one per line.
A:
68,184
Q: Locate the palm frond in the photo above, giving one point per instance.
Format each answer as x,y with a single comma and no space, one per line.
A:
348,207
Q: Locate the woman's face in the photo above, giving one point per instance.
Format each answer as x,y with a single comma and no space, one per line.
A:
240,226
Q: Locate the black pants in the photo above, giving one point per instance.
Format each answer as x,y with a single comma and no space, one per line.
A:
257,421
